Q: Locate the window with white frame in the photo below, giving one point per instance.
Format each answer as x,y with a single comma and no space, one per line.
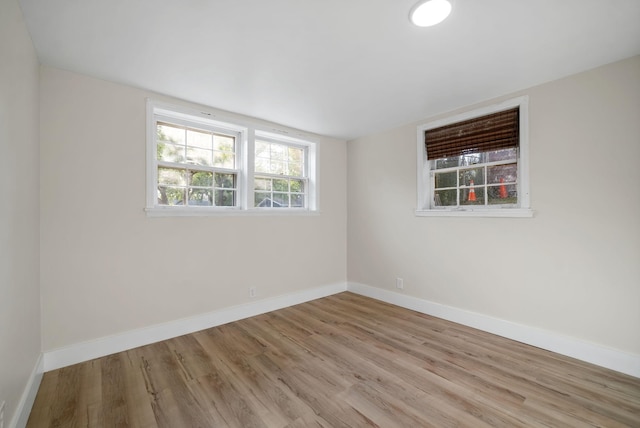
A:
280,174
198,165
475,163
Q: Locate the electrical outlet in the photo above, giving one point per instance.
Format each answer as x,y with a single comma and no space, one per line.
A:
2,414
399,283
252,291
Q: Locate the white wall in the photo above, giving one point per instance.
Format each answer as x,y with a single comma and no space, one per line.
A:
19,224
107,268
573,269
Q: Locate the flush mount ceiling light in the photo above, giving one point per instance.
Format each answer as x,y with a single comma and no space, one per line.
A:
431,12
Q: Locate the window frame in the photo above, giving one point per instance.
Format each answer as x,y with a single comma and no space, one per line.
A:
246,134
304,177
425,189
214,128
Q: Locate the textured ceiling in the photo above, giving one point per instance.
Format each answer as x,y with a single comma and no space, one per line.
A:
344,68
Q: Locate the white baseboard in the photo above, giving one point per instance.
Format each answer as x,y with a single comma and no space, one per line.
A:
590,352
593,353
21,416
97,348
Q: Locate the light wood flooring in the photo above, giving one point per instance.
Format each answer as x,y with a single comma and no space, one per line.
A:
340,361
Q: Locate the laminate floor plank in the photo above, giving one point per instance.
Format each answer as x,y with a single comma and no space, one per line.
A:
491,360
340,361
249,382
415,387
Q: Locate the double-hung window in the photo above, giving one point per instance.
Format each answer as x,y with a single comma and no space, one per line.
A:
280,174
475,163
199,165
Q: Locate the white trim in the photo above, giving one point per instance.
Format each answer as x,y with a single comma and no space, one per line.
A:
233,212
505,212
151,173
424,197
21,416
590,352
586,351
97,348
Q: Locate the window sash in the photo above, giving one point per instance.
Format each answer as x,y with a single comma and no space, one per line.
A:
217,191
484,187
286,162
290,194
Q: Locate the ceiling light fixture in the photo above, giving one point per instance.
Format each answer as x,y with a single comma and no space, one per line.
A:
431,12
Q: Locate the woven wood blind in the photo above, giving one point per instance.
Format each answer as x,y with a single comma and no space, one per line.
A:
481,134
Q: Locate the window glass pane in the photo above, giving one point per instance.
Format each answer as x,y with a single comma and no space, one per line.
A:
504,154
279,152
444,198
171,176
295,169
225,198
502,173
446,179
471,159
170,195
446,162
297,186
224,143
166,132
170,152
201,178
201,197
262,199
263,184
281,185
295,155
475,175
297,200
262,165
199,156
262,150
280,200
224,160
503,194
199,139
277,167
472,196
226,180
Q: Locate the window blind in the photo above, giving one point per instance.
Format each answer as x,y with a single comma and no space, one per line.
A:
495,131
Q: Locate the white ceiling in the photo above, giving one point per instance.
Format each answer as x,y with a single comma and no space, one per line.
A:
344,68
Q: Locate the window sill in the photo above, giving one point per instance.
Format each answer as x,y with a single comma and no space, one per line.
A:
505,212
226,212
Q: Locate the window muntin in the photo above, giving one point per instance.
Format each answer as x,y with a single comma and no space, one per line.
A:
499,169
280,179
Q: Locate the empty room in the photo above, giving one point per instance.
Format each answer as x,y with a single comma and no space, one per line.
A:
281,213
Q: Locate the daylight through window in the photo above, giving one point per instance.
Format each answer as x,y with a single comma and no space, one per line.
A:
204,166
280,179
475,163
195,167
